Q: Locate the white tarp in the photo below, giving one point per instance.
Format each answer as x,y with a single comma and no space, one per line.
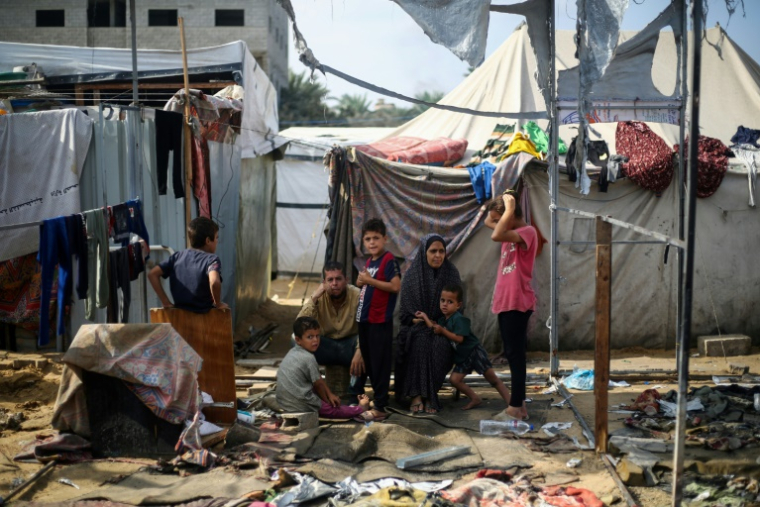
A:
41,159
259,124
302,197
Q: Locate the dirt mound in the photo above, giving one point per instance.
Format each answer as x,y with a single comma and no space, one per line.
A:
28,385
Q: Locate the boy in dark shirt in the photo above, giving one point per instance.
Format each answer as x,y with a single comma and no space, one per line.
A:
380,282
469,354
195,274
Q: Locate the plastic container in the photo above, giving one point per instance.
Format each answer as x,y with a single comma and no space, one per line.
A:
499,427
246,417
353,380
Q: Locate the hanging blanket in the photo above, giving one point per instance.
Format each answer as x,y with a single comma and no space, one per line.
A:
153,360
441,151
650,162
382,149
712,163
496,145
20,280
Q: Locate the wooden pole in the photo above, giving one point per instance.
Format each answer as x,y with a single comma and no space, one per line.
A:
602,349
188,132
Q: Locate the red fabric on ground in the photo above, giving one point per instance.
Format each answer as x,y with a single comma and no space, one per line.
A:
569,496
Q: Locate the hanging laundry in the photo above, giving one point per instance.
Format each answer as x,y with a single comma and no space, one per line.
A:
41,162
650,163
522,143
712,163
201,110
541,139
97,262
751,157
746,135
54,250
119,278
20,292
480,176
78,246
597,154
496,145
169,139
127,219
136,260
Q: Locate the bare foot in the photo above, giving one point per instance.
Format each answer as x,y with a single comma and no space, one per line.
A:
516,412
363,401
474,402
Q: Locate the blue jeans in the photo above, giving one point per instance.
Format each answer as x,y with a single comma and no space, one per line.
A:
339,353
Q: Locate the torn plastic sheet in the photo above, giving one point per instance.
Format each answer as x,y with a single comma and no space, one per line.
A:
308,489
603,18
669,409
554,428
349,490
461,26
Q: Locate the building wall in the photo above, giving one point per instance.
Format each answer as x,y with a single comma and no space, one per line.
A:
265,30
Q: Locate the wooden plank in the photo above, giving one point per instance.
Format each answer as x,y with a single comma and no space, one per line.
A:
210,335
187,133
79,94
603,313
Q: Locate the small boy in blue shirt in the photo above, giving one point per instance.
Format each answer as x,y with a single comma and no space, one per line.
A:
469,354
195,274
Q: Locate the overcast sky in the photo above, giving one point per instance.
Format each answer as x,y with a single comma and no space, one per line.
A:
376,41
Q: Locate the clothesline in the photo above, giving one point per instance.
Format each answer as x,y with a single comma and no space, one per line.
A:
35,224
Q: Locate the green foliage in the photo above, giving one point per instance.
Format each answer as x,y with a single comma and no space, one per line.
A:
307,103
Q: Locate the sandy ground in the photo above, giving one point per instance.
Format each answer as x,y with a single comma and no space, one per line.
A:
34,390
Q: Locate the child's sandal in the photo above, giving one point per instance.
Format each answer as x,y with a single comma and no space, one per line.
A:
417,408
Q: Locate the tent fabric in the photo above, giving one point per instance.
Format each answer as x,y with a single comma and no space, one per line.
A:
459,25
730,90
259,124
302,193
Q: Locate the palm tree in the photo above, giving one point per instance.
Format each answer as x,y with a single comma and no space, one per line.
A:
433,97
303,101
352,107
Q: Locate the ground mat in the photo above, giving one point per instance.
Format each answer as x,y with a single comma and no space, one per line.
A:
144,488
451,417
331,471
390,442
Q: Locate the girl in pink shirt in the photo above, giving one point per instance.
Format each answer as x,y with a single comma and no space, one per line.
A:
513,297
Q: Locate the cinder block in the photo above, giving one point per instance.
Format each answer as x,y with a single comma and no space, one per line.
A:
40,363
22,363
299,422
725,345
6,365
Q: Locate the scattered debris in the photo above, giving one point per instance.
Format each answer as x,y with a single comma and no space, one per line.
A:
67,482
432,456
574,463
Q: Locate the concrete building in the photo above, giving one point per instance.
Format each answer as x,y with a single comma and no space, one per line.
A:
262,24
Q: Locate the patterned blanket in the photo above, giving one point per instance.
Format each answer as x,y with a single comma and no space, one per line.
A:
153,360
20,292
441,151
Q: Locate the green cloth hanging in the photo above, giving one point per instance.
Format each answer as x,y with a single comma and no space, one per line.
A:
541,140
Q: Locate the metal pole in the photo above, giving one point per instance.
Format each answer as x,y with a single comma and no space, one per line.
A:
681,164
553,193
133,26
685,337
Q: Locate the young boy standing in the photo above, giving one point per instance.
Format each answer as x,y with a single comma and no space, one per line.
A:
469,354
300,387
195,274
380,282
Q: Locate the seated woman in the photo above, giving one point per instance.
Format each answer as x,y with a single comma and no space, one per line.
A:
424,358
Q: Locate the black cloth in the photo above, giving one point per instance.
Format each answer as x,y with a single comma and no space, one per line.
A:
376,344
78,246
118,268
169,138
746,135
423,358
513,326
136,261
598,154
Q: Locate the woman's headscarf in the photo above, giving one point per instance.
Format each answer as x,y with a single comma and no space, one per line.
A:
421,286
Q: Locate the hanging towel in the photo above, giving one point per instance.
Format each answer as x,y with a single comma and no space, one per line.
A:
480,176
169,138
97,262
54,250
522,143
78,246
